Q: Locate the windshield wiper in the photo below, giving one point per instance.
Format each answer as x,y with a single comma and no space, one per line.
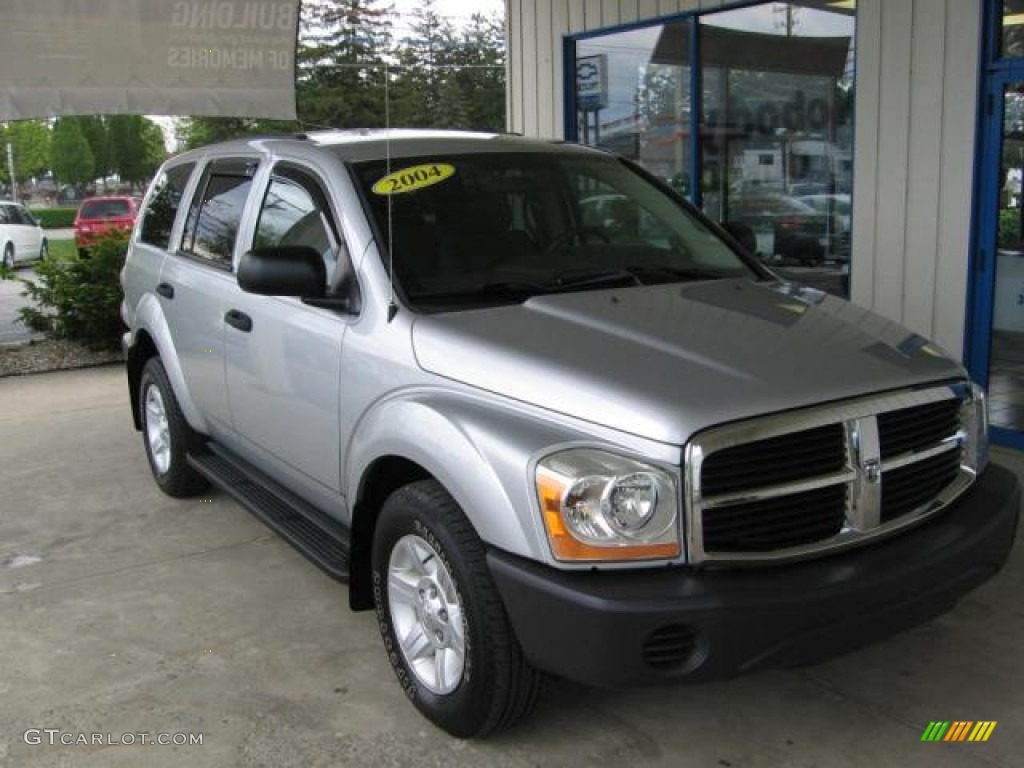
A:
568,282
653,274
516,290
639,274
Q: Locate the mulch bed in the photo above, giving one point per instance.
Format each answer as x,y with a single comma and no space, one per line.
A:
51,355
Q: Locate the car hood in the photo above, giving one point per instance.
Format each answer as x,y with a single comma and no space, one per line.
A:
665,361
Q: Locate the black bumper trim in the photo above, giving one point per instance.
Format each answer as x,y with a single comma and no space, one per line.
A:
591,626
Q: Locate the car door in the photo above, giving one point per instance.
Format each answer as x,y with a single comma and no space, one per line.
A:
197,279
6,229
283,357
26,234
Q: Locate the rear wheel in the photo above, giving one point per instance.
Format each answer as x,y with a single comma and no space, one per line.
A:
166,434
9,256
444,627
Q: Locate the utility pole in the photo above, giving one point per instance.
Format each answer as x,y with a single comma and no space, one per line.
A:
790,17
10,169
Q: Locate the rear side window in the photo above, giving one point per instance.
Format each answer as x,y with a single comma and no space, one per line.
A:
5,215
216,213
105,209
158,218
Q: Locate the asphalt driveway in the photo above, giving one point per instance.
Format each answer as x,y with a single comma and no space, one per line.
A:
125,612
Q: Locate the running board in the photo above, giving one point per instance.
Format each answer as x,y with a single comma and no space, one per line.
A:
316,535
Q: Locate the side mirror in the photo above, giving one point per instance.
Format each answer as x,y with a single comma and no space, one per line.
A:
742,234
285,270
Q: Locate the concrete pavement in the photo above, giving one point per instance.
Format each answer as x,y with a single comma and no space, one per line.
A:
124,611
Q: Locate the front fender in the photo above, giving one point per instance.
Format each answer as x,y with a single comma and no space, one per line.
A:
482,450
149,317
456,453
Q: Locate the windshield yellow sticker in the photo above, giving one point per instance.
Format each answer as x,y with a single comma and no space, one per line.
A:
412,179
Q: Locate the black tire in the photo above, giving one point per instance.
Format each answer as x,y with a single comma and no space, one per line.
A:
9,256
44,250
498,687
176,478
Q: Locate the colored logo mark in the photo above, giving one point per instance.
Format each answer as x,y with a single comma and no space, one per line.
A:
958,730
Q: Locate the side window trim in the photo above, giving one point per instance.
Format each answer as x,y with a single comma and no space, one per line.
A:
144,209
291,171
230,167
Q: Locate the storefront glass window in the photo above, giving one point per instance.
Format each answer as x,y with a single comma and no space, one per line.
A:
1012,42
633,97
777,132
774,117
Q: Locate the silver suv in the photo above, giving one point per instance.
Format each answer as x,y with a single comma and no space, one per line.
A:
543,416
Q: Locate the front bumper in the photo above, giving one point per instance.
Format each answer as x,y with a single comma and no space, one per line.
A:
623,628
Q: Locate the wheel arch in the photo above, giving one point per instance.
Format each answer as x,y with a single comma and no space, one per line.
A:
382,477
474,452
151,336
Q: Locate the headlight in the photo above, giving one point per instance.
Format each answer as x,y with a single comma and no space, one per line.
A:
974,417
600,506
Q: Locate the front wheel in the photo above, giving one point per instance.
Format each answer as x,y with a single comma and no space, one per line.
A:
44,251
166,433
9,256
444,627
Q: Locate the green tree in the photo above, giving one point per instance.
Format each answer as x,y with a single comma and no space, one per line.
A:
137,147
96,132
199,131
423,95
73,162
30,141
479,62
342,63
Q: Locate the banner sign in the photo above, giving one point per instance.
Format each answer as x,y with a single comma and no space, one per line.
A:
232,58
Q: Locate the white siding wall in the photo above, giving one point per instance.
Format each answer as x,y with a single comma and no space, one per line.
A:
917,74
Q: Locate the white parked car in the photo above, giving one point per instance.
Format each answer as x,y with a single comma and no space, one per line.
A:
21,237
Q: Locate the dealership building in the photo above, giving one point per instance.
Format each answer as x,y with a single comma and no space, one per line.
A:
874,147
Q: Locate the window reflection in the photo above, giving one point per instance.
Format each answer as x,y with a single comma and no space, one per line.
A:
775,122
1013,28
633,97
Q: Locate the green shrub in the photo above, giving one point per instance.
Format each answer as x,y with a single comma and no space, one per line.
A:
78,299
55,218
1009,228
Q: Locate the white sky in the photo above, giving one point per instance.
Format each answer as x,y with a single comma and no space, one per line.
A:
459,11
456,10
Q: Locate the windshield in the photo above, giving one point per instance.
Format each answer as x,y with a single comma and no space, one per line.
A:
481,229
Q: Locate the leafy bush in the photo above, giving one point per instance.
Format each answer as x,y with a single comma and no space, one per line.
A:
55,218
1009,228
78,299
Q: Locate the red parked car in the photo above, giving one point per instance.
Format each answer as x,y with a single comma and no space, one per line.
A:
97,215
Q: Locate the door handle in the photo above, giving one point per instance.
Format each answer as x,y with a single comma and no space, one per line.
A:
166,290
238,320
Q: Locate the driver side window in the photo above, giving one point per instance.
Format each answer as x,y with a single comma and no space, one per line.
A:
295,212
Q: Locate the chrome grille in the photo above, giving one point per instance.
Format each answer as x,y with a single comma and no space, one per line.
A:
911,429
781,459
795,484
907,488
783,521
